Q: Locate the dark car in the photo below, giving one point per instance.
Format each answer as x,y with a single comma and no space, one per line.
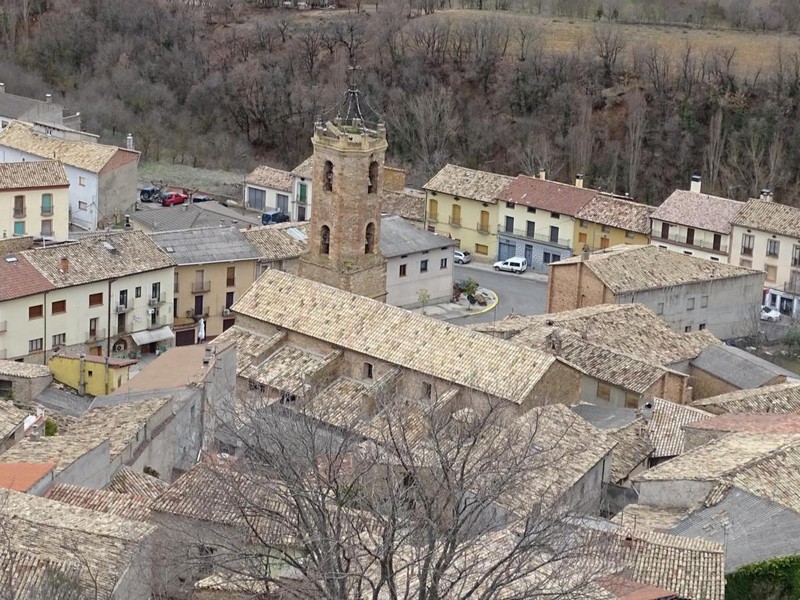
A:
202,198
173,198
149,193
273,216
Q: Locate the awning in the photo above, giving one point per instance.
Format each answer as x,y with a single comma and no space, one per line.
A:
153,335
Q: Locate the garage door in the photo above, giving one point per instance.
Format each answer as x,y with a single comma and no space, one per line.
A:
506,250
185,337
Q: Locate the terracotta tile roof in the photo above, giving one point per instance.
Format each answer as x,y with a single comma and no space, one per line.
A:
482,186
279,241
640,516
632,449
764,423
625,589
632,329
781,398
251,348
12,368
304,169
136,483
634,268
88,156
666,426
547,195
34,576
100,257
19,278
11,418
616,212
770,217
32,174
125,506
16,244
409,204
101,360
21,476
718,458
271,178
178,367
286,369
394,335
700,211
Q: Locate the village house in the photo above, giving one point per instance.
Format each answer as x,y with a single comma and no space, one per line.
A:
301,190
695,224
609,221
766,237
102,179
665,424
23,382
34,199
536,219
104,294
462,204
93,375
267,188
214,267
689,293
30,110
781,398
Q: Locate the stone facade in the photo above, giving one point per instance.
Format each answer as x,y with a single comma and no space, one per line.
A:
344,236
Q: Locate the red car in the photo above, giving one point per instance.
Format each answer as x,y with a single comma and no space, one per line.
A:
173,198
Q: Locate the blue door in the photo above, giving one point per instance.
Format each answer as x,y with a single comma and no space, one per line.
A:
529,254
505,250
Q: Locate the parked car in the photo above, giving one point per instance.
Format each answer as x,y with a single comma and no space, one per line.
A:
515,264
273,216
173,198
202,198
770,314
462,257
149,193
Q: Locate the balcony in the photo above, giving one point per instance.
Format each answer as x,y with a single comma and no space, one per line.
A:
455,221
536,237
95,336
482,227
159,321
433,218
19,214
47,212
156,300
747,252
3,327
123,308
702,244
201,287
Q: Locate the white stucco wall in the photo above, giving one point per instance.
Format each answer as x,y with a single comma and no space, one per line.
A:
438,281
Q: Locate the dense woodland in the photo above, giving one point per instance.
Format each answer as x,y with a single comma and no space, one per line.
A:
229,85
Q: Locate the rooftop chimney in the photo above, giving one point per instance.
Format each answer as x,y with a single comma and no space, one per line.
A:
128,222
579,180
129,142
48,98
64,265
585,252
2,88
542,174
766,195
696,184
647,412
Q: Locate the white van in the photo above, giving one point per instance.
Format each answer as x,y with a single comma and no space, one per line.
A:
515,264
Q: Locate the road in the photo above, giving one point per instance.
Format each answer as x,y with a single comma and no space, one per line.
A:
525,294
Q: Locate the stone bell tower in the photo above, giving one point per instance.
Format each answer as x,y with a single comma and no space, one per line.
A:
347,179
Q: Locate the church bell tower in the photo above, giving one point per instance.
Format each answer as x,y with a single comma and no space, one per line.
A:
347,179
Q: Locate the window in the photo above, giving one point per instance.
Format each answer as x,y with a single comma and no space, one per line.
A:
687,252
660,309
482,249
372,177
19,207
93,326
548,257
772,272
96,299
302,190
743,262
455,217
155,290
47,204
19,227
433,210
82,181
690,304
629,235
427,390
325,240
509,225
510,205
531,209
47,227
256,198
687,329
137,292
229,299
554,234
369,239
82,205
665,231
403,270
59,339
555,215
327,177
58,307
702,326
35,345
603,391
530,228
713,259
631,400
703,301
747,244
773,247
604,242
36,312
443,263
717,244
690,236
367,370
584,224
483,224
283,203
423,266
230,277
605,229
796,256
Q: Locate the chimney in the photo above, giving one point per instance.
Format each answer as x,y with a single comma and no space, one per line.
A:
647,412
766,195
542,174
129,142
696,184
128,222
48,98
585,252
554,342
579,180
64,265
2,88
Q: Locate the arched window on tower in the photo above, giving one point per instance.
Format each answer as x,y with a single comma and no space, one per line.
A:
325,240
328,176
369,243
372,182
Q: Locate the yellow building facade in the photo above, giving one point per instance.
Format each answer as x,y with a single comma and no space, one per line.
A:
91,375
608,221
34,199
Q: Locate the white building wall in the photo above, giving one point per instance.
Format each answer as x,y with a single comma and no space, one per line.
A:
703,246
270,200
437,281
299,211
83,188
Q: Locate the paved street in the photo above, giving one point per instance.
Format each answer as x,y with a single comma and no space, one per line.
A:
525,294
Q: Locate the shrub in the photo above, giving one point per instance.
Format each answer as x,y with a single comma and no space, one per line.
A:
50,427
776,579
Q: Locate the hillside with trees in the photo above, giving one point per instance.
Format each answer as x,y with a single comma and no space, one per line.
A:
227,85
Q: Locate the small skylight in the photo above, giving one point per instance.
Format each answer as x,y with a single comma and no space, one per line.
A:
11,259
170,249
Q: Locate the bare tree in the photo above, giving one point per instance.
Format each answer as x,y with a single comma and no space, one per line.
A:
714,149
609,42
637,120
581,138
